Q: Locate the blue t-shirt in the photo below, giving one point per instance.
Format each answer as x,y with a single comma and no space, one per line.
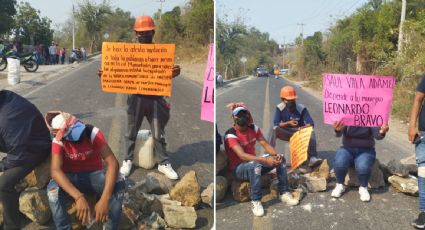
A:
301,114
421,88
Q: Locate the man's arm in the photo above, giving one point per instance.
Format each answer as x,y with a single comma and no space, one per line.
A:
417,103
267,147
176,70
269,161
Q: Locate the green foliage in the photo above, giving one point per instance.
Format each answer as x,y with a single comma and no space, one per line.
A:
7,11
29,27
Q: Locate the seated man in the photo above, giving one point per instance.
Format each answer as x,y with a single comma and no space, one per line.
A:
290,117
77,153
245,165
25,138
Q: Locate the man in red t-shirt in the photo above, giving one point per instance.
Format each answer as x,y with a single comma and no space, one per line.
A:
76,168
244,164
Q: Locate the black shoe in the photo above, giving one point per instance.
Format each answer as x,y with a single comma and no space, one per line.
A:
420,222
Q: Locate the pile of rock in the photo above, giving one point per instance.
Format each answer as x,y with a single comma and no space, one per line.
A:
402,175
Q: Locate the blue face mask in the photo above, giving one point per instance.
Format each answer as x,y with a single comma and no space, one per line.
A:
75,132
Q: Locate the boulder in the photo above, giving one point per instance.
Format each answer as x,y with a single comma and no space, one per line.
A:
148,203
410,160
376,179
34,204
240,190
408,185
293,179
299,193
220,188
154,183
207,195
129,216
155,221
221,162
322,171
180,216
187,190
313,184
399,169
37,178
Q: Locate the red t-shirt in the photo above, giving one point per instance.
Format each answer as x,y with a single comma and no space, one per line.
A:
246,140
81,156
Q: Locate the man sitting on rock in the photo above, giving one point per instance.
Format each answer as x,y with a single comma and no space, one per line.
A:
244,164
77,153
25,139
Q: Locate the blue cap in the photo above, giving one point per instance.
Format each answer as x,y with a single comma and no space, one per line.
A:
238,109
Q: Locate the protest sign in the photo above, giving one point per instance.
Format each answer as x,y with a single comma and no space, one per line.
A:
135,68
357,100
298,145
207,104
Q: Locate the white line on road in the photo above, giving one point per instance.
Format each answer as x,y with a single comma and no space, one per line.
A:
115,130
266,112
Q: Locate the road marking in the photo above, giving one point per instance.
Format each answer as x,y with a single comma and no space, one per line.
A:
115,130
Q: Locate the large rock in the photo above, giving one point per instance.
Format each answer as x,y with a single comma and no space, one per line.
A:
155,221
220,188
38,178
313,184
187,190
376,179
148,203
322,171
207,195
129,216
408,185
180,216
240,190
154,183
221,162
35,205
399,169
299,193
294,179
410,160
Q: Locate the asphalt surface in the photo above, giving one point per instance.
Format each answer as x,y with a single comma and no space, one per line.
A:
387,209
189,140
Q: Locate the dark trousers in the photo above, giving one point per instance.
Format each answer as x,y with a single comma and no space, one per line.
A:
9,197
286,133
157,113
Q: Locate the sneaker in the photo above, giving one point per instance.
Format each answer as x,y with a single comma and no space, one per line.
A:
338,190
168,171
420,222
257,208
364,194
314,161
126,167
288,199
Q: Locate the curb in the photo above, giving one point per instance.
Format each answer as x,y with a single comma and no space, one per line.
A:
235,79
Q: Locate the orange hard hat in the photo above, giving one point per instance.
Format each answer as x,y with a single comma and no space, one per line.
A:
144,23
288,93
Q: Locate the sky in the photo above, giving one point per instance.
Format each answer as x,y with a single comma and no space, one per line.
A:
282,18
60,11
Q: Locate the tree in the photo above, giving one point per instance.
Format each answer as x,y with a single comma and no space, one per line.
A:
198,21
7,11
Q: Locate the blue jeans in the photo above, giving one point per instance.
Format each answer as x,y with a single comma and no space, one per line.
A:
361,158
86,182
252,171
420,161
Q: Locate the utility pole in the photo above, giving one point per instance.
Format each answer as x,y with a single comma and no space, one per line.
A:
73,27
283,53
400,33
302,32
161,1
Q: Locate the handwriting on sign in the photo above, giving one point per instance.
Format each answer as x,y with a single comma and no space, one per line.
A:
207,103
137,68
298,145
357,100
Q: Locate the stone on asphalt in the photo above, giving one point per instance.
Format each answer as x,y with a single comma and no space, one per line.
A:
313,184
240,190
322,171
410,160
155,183
207,195
34,204
221,162
180,216
187,190
220,187
376,178
38,178
408,185
399,169
155,221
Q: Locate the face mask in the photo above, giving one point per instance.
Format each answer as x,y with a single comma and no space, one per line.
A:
75,133
242,121
146,39
290,105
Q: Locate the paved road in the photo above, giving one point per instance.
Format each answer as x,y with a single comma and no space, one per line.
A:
190,141
387,209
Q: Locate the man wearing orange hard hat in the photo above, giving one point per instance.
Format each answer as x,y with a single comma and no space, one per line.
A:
155,108
290,117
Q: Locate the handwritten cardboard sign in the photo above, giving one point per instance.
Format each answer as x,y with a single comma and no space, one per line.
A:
135,68
207,108
298,145
357,100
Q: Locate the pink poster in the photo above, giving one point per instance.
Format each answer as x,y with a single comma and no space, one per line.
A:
357,100
207,110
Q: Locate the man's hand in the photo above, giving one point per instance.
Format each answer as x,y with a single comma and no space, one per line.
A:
101,210
413,131
384,129
176,70
99,73
273,161
291,123
338,125
83,210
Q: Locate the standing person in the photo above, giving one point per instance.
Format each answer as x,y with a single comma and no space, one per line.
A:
358,149
46,54
52,53
416,134
290,117
58,51
78,150
156,109
25,138
244,164
219,79
83,54
62,55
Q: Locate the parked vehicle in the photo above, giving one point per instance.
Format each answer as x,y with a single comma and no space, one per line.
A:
261,71
27,60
